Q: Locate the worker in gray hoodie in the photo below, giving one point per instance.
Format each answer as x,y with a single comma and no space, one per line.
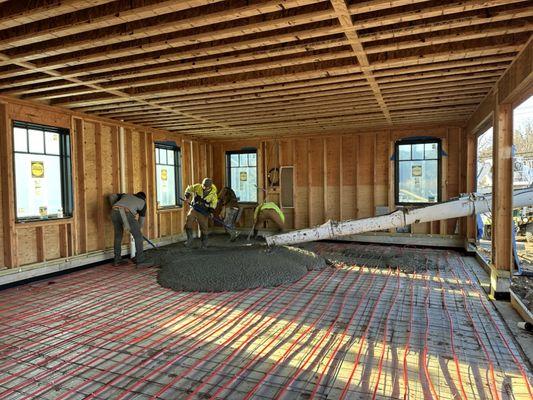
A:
125,208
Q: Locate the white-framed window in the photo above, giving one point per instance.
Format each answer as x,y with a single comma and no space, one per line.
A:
241,174
168,175
43,172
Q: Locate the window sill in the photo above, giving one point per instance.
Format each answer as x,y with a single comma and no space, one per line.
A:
44,222
168,209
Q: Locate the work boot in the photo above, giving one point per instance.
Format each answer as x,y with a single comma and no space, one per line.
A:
190,237
233,235
204,241
119,261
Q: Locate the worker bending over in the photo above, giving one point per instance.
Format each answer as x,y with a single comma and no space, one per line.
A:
203,199
268,212
230,210
125,208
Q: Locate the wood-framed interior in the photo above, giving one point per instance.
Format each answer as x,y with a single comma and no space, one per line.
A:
313,83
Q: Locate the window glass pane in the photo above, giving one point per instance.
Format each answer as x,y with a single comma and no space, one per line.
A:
404,151
234,160
431,151
20,139
156,155
166,186
36,141
418,181
252,159
38,185
243,161
243,182
170,157
52,142
162,156
418,151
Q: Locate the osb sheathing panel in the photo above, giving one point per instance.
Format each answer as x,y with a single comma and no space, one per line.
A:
99,151
346,176
51,239
27,249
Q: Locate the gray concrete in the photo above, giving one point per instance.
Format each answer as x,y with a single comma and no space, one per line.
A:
231,266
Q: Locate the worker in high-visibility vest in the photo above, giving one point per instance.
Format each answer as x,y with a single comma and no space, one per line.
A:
268,212
203,199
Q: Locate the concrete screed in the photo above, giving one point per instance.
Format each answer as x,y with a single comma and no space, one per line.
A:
356,329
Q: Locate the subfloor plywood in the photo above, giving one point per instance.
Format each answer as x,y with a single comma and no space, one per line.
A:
382,322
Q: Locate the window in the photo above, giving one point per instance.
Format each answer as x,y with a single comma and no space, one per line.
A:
43,174
168,175
417,171
242,174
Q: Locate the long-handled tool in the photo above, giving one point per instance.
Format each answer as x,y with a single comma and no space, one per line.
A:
203,211
150,242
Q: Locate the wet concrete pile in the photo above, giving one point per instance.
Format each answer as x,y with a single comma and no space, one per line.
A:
226,266
407,260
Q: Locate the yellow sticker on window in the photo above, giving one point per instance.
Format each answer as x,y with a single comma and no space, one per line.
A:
164,174
37,169
244,176
416,170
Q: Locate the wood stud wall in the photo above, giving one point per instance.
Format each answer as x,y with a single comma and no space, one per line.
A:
344,176
96,173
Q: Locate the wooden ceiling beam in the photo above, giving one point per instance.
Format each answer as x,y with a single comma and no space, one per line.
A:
419,14
470,34
348,102
292,95
302,87
191,76
16,13
115,93
450,23
147,31
152,44
188,51
341,9
162,92
223,108
88,21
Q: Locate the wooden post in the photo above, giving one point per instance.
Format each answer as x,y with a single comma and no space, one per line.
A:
100,207
502,198
81,199
471,161
39,239
8,193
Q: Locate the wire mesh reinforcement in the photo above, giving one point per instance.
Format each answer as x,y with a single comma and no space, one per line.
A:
359,329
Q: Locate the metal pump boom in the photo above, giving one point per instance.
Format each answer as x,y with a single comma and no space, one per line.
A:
466,205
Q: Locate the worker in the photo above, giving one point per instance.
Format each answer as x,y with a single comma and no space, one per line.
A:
203,200
230,210
125,208
268,212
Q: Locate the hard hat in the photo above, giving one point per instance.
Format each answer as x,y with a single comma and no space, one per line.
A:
207,182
